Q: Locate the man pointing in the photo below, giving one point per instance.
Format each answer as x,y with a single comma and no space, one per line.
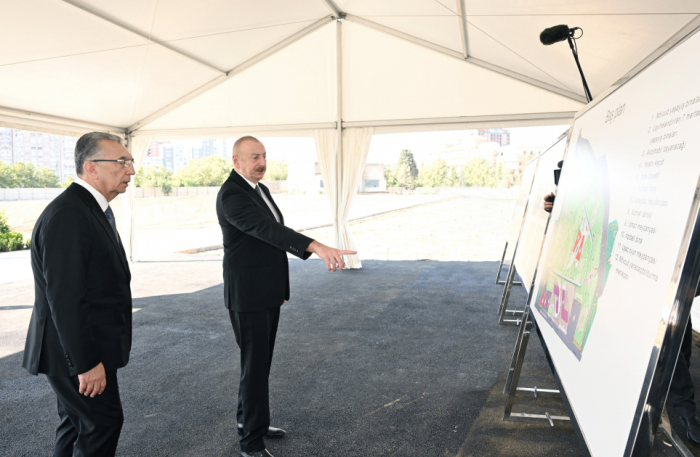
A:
256,282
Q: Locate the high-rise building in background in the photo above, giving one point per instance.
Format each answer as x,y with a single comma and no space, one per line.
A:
55,152
175,155
500,136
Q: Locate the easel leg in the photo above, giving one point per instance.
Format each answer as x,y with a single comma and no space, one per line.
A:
513,377
500,265
500,268
516,351
516,368
503,312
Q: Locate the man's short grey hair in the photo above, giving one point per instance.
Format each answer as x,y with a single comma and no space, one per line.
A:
88,147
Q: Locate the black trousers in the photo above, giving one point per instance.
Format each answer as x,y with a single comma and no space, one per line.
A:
255,334
89,426
681,393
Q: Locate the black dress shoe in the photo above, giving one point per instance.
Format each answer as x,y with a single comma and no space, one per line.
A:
272,432
263,453
692,428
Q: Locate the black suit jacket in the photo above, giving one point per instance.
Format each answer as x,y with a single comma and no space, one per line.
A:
256,269
82,305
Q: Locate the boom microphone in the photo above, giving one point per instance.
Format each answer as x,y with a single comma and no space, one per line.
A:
555,34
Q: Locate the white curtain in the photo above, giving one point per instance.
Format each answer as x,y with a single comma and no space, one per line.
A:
138,147
341,169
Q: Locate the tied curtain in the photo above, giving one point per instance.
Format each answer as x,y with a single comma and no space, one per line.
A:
342,167
138,147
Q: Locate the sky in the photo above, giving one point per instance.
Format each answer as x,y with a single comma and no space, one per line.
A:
385,148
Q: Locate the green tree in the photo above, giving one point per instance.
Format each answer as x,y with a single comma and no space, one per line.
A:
152,176
454,177
209,171
478,172
390,177
21,174
67,182
434,175
45,177
6,179
276,170
407,158
404,177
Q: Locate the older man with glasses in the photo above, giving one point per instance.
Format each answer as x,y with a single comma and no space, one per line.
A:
80,329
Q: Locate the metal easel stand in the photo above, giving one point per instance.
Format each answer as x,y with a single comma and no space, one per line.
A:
513,377
500,268
503,313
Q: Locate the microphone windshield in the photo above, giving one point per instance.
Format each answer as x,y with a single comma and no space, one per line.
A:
555,34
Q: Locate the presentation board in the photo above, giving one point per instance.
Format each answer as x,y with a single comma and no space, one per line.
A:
615,250
530,241
519,211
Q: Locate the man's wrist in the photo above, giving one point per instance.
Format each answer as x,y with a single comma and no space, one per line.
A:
312,246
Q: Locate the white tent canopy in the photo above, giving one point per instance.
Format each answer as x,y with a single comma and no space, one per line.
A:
213,67
206,68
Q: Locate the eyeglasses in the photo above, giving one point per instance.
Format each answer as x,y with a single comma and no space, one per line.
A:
126,162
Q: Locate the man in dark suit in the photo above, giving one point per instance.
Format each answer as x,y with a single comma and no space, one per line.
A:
256,282
80,329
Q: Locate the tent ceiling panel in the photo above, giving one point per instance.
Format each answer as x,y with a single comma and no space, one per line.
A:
594,7
396,7
46,29
108,87
294,86
445,87
611,46
487,48
169,20
165,77
227,50
441,30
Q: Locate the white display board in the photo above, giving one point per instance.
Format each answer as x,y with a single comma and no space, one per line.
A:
530,241
519,211
616,240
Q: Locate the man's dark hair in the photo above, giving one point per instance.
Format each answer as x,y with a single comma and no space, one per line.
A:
88,147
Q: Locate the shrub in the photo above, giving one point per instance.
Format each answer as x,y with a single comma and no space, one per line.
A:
11,241
4,228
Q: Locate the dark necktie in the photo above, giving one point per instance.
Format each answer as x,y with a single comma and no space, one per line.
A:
112,221
259,191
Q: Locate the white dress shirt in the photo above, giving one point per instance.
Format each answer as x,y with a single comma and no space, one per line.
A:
101,200
269,203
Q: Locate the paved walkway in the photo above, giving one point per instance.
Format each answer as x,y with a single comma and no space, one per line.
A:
401,358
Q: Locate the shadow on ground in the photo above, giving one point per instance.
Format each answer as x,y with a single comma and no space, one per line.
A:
400,358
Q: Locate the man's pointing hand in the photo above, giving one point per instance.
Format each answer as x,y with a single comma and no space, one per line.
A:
332,257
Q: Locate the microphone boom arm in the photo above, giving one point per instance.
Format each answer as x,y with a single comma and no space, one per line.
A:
578,64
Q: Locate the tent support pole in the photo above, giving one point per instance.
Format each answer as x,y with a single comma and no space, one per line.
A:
463,27
339,127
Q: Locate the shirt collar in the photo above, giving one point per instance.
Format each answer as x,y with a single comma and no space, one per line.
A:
101,200
252,184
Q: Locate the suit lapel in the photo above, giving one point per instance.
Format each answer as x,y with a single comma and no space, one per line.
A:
247,188
97,212
269,196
